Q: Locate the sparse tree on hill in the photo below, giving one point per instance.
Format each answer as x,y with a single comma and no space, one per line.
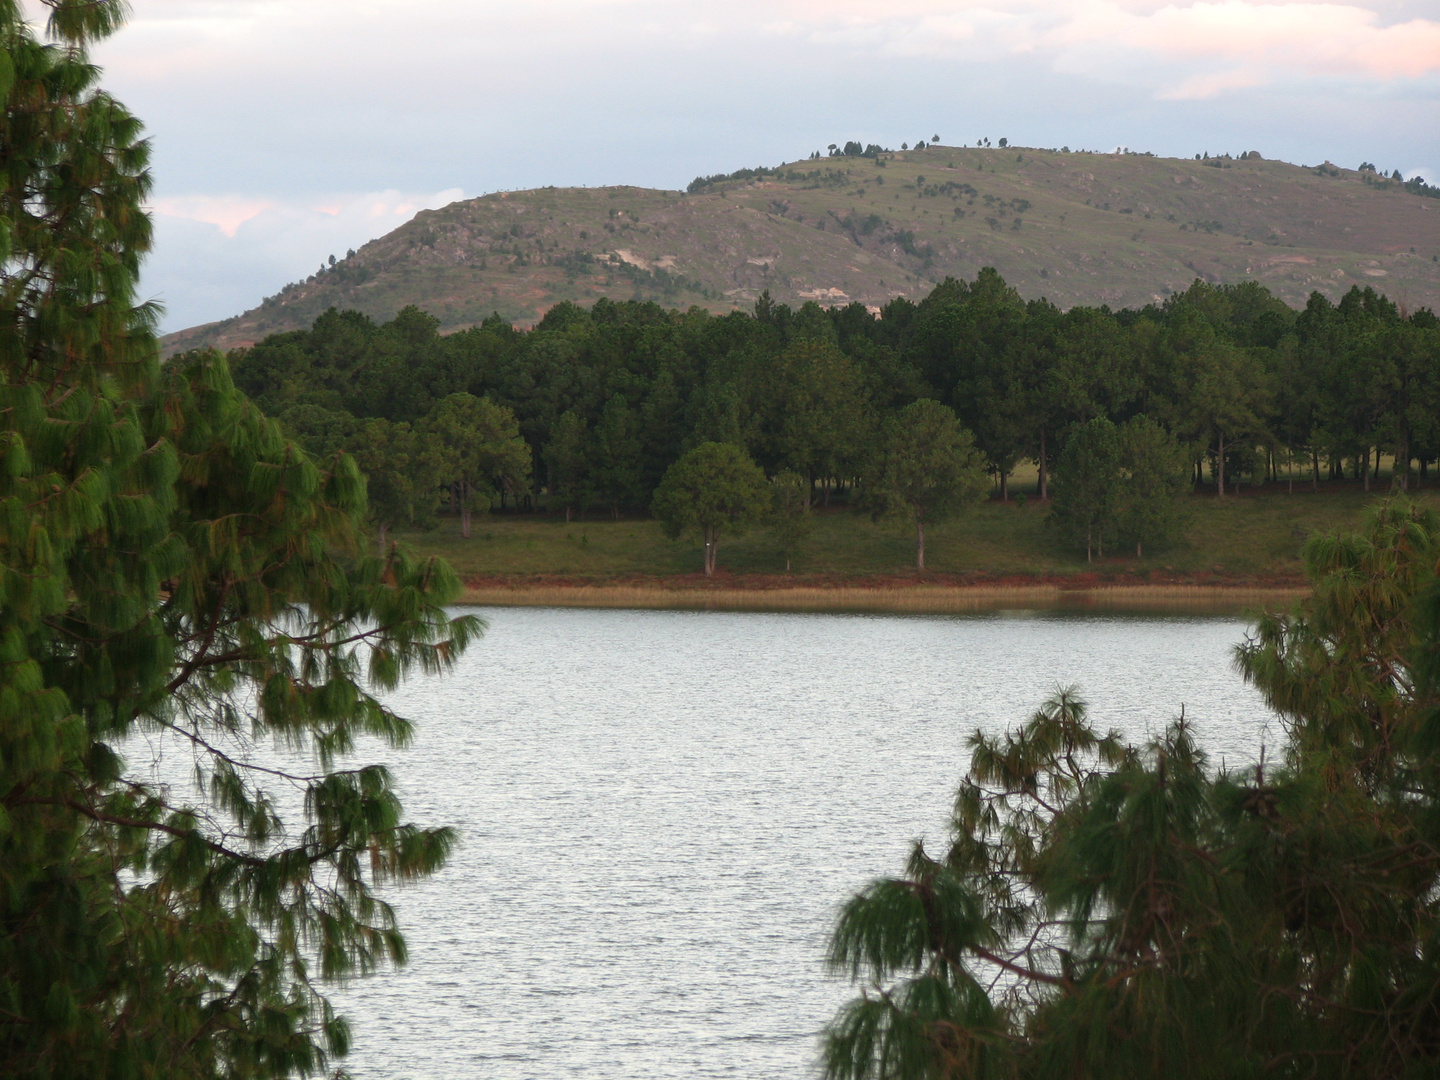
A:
713,490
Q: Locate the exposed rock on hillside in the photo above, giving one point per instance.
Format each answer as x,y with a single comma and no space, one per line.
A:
1122,230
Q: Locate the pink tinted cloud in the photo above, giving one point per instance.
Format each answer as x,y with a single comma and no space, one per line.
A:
225,212
1302,37
1221,44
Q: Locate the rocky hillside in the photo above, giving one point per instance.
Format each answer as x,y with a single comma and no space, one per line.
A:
1079,228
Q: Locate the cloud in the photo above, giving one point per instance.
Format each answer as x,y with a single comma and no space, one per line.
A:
1225,45
1237,44
218,255
267,116
329,38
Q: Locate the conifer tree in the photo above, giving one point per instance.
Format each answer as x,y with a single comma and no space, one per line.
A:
1154,475
1087,485
170,565
1108,910
476,448
926,471
790,517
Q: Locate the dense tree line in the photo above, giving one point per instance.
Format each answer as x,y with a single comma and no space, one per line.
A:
606,399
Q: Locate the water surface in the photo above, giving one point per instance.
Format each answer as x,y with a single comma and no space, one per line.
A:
660,812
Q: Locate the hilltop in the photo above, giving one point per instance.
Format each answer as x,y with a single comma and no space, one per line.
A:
1079,228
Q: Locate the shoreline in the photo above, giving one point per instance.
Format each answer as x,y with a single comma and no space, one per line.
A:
894,598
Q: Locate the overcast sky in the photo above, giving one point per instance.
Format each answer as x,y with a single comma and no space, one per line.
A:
288,130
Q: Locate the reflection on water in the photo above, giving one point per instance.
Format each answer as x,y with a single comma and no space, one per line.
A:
660,812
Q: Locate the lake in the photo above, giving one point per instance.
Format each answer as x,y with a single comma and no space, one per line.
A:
661,811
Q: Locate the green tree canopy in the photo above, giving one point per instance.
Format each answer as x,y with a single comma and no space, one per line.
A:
172,566
790,517
615,455
566,463
712,490
820,409
927,470
402,473
1154,478
478,451
1105,909
1087,485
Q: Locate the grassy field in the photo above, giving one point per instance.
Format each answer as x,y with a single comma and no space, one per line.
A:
1246,539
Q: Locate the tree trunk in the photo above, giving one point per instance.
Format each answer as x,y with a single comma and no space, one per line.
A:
1220,469
1044,474
825,492
1402,472
1138,553
1365,469
1004,486
919,544
384,528
567,513
1088,543
465,510
1315,473
711,542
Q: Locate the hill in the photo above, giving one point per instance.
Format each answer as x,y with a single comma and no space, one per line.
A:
1078,228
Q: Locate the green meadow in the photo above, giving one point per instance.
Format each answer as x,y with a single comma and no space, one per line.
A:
1239,538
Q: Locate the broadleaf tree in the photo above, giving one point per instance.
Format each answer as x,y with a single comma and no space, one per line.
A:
712,490
926,470
172,566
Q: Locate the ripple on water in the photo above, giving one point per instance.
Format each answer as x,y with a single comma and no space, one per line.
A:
661,811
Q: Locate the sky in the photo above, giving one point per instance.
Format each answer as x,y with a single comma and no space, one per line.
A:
285,131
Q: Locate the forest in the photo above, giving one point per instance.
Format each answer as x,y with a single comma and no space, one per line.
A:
586,411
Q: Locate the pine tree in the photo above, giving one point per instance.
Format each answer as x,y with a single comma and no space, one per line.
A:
171,565
565,460
926,470
1107,910
1087,485
790,517
476,448
1154,475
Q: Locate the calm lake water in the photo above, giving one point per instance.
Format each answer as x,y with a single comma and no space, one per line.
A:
661,811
